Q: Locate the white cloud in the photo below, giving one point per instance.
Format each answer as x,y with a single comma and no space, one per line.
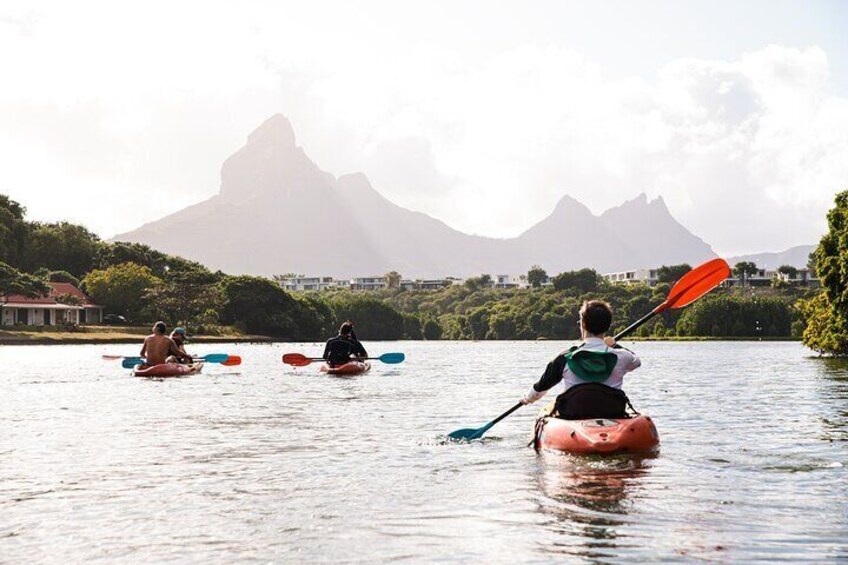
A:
133,112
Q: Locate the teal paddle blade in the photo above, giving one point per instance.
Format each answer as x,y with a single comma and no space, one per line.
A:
392,358
215,357
130,362
468,434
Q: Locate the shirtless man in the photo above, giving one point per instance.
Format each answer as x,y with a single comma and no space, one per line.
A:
157,346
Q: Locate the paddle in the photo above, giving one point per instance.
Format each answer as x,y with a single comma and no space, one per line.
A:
691,286
223,358
299,360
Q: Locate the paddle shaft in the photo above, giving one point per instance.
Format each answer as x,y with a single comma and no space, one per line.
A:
504,415
635,325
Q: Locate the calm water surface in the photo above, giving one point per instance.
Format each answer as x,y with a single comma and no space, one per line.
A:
266,463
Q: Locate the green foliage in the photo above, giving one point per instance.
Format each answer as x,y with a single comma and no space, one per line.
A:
374,318
411,327
582,281
824,331
672,273
478,283
259,305
12,281
191,303
536,276
61,246
14,231
122,289
160,264
733,315
788,270
63,276
827,314
432,330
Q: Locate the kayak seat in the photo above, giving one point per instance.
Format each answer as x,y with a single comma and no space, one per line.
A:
591,400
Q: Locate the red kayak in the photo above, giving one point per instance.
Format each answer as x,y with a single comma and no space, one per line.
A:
351,368
167,370
602,436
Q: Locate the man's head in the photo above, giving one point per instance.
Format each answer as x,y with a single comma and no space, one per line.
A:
596,316
346,329
160,328
179,334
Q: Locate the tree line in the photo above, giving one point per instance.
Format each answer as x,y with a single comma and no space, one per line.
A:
143,285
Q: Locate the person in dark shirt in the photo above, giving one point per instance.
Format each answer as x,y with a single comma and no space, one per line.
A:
341,348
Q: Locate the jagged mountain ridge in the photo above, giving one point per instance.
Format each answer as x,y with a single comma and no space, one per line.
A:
278,212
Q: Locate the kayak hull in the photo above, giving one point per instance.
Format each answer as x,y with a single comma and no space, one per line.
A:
352,368
165,370
597,436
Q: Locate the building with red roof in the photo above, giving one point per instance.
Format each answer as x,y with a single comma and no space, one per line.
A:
65,304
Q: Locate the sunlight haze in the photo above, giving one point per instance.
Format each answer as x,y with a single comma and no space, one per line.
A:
480,114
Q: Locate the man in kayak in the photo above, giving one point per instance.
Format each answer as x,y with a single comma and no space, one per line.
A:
158,346
339,349
179,337
592,372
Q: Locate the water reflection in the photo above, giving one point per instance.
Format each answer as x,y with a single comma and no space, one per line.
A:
587,499
833,373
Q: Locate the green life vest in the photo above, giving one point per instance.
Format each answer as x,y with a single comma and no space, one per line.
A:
591,366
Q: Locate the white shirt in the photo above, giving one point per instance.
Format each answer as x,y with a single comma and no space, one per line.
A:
627,361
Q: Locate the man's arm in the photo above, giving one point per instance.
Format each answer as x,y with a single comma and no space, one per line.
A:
548,380
326,355
143,348
359,350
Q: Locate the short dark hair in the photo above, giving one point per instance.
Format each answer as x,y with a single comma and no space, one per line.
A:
160,327
596,316
346,328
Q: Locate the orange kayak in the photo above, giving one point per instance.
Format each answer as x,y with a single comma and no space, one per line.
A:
624,435
352,368
167,370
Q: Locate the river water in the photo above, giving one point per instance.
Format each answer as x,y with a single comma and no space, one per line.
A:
265,463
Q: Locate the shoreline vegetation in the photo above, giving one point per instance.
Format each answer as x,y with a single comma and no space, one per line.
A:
92,335
144,285
83,335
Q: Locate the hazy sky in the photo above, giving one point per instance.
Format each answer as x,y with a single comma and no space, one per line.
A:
480,113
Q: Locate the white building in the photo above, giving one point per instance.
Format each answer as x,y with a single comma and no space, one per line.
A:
647,276
65,304
300,284
369,283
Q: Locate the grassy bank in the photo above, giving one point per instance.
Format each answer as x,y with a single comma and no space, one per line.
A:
50,335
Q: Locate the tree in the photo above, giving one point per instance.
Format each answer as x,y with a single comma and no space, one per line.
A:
191,302
14,231
744,269
63,276
259,305
478,283
672,273
122,289
61,246
536,276
12,281
393,279
582,281
827,314
432,330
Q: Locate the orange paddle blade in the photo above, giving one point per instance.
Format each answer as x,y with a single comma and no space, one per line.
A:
296,359
696,283
232,360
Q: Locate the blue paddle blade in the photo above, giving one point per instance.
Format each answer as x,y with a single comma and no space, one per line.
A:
216,357
469,433
130,362
392,358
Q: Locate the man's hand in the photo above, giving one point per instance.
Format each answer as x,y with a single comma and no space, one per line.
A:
610,341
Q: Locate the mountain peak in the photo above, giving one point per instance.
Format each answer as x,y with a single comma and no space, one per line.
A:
569,204
276,130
